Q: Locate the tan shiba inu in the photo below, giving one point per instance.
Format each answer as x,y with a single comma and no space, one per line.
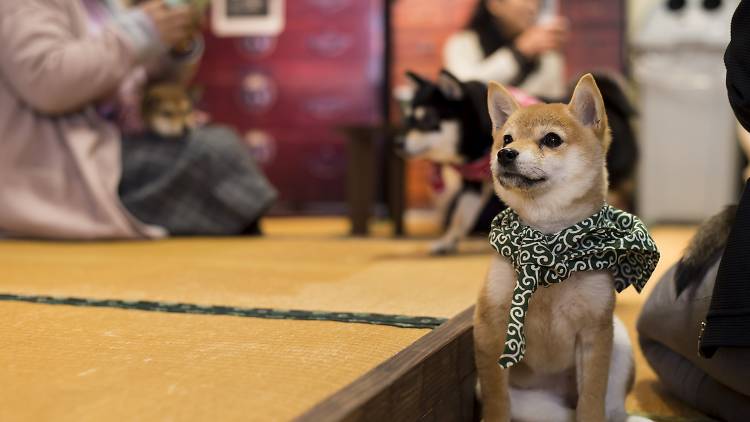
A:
167,110
549,166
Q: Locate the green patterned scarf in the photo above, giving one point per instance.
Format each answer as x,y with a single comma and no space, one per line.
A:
610,240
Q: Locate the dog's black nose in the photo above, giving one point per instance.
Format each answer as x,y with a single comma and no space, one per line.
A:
506,156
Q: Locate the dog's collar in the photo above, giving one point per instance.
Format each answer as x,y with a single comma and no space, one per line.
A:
610,240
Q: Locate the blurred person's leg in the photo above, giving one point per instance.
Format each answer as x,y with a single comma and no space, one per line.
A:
206,184
694,386
668,331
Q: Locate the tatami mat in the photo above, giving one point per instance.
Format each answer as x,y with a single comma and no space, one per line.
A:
298,271
91,363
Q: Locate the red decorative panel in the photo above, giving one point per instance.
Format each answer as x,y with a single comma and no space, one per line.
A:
307,163
304,40
334,9
597,37
288,95
270,95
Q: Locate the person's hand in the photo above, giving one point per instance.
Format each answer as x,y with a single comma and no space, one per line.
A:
543,38
173,24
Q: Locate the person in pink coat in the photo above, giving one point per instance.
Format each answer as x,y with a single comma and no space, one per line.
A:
65,68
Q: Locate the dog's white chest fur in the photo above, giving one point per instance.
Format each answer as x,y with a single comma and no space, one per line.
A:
556,313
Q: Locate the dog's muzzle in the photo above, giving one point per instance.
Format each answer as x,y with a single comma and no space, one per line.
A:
509,175
506,156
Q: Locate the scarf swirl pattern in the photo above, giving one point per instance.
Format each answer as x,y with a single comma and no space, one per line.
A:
611,239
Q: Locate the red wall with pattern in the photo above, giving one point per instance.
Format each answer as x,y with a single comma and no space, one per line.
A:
287,95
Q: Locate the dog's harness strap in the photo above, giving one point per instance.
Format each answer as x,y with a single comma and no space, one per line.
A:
611,239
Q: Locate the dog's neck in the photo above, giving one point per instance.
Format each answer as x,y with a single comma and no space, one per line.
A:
551,213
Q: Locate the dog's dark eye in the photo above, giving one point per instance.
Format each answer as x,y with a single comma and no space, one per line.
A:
711,5
551,140
428,120
507,139
675,5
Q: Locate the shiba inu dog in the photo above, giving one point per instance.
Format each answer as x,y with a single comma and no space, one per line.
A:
549,166
167,110
447,123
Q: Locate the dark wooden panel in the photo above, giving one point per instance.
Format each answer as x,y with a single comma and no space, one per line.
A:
360,177
406,396
431,380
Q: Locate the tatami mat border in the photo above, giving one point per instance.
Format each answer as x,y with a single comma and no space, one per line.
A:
403,321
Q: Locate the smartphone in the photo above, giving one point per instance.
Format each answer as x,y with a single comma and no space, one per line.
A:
548,11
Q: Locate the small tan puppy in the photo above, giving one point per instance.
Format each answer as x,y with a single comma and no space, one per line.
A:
167,110
550,169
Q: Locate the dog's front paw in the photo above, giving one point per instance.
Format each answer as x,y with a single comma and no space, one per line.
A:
444,247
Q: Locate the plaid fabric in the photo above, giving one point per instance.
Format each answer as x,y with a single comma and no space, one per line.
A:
205,184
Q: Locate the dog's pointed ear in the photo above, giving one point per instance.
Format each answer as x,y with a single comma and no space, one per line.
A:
587,105
500,103
416,79
450,86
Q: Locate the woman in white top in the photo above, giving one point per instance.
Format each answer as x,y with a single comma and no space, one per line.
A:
505,42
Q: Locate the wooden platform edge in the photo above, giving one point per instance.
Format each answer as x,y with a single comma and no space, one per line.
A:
432,379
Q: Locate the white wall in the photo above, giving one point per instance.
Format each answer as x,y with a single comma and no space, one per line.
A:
637,9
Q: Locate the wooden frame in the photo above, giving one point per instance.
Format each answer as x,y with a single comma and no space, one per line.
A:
433,379
362,173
